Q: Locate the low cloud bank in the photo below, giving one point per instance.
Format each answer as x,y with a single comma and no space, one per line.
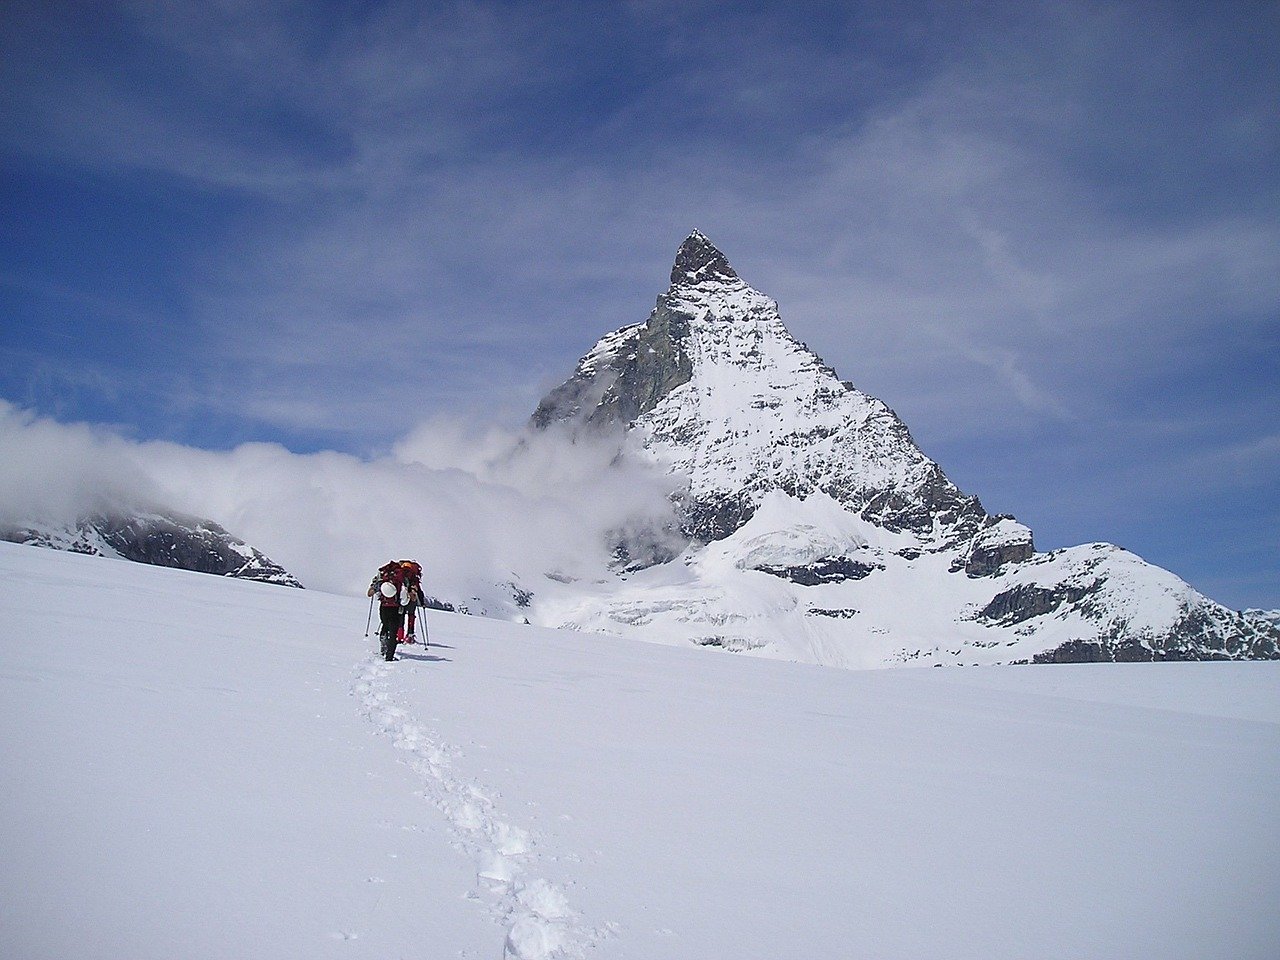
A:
478,508
55,472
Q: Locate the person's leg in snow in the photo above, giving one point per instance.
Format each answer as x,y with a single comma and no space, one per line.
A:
391,622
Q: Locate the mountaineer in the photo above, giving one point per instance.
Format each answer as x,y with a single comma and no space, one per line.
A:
398,587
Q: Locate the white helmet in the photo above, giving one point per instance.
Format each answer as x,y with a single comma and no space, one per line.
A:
388,589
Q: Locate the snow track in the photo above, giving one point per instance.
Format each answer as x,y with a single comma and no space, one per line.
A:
540,923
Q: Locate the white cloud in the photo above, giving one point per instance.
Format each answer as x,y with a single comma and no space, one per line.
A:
54,472
478,510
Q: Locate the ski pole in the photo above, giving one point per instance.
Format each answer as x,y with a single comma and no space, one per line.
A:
369,621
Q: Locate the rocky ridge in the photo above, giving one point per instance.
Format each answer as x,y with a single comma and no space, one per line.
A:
165,539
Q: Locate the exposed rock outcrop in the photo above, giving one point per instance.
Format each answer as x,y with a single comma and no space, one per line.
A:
1003,541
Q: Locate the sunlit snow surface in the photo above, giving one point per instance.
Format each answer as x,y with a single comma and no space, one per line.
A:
200,767
910,610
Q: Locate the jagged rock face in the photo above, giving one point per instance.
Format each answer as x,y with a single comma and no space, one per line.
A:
698,261
624,377
823,570
165,540
1025,601
1203,632
725,396
1270,616
1003,541
1124,610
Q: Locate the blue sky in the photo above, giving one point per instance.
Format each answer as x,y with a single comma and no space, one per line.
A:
1046,234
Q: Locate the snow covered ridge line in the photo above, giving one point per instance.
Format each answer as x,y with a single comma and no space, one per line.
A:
540,924
815,528
167,539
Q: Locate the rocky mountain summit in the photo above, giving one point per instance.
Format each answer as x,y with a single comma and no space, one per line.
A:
728,397
817,530
165,539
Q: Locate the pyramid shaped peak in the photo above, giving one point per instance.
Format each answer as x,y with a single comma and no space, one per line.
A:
699,260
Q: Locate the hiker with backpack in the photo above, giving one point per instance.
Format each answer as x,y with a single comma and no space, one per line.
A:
398,587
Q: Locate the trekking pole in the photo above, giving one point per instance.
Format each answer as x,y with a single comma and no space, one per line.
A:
369,621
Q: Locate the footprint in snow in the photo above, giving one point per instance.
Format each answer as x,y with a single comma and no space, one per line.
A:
539,922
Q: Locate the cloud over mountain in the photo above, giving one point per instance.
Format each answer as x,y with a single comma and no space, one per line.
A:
479,511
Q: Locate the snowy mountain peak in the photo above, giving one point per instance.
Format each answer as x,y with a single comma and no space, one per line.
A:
817,530
699,260
721,392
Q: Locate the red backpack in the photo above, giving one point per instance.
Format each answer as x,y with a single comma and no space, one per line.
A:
400,573
411,574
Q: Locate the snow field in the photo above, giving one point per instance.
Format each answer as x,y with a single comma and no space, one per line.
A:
187,775
540,923
193,769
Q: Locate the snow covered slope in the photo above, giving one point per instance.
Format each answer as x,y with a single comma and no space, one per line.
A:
204,767
819,531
